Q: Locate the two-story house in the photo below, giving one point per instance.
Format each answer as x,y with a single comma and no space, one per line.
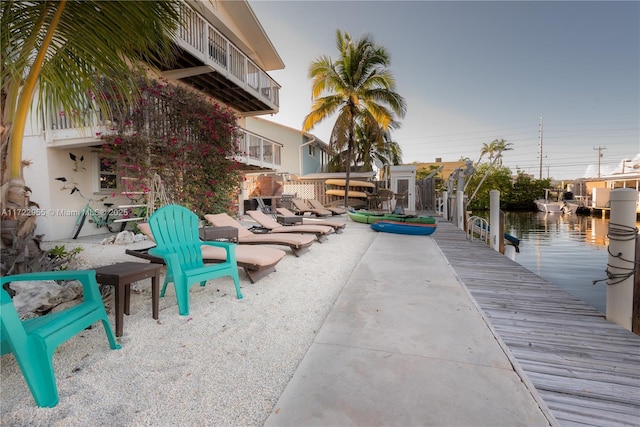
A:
223,52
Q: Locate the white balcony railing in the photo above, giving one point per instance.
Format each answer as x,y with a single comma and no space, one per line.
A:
259,151
204,41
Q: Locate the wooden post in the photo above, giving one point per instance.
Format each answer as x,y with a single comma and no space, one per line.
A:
501,233
494,220
460,211
445,205
635,316
621,257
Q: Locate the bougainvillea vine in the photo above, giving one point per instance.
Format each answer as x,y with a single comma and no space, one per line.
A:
188,139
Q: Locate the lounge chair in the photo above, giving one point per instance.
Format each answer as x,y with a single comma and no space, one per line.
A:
299,243
302,208
320,231
257,261
315,204
338,226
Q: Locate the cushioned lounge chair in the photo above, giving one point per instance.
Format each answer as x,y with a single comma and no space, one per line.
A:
302,208
315,204
320,231
257,261
299,243
338,226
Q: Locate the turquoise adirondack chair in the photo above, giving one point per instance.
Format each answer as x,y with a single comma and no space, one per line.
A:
175,230
33,341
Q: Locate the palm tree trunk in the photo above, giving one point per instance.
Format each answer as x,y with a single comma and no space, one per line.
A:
348,175
347,180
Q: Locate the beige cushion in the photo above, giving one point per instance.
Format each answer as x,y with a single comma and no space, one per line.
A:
268,222
224,220
146,230
255,255
245,254
246,236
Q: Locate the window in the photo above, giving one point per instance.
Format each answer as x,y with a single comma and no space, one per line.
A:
108,175
312,150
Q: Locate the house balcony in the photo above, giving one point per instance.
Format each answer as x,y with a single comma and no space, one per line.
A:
259,153
210,62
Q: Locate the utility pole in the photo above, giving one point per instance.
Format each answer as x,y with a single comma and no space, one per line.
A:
540,152
599,157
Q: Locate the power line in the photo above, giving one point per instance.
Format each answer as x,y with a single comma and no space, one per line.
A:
599,157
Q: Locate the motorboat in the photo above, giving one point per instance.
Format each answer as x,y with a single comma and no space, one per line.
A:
557,201
550,203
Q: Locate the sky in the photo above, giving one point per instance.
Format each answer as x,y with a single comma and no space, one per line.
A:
561,78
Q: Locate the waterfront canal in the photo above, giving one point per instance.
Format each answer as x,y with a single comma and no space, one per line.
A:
569,251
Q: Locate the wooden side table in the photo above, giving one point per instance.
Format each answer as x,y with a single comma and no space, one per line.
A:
121,276
289,220
224,233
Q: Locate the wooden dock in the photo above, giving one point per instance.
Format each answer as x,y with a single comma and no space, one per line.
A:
585,368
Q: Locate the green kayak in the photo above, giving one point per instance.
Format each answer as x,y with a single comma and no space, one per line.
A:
366,217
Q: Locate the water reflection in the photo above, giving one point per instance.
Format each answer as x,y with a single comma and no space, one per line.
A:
569,251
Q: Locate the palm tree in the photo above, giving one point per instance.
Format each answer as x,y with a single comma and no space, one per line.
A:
494,149
486,149
370,150
371,147
501,145
359,87
55,51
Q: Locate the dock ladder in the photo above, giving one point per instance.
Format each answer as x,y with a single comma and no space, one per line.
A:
478,227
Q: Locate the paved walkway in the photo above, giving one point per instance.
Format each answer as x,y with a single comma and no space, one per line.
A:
405,345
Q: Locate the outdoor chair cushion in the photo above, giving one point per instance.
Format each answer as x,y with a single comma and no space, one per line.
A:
298,243
255,260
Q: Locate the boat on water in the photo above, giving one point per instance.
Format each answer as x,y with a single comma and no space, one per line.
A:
367,217
557,201
416,229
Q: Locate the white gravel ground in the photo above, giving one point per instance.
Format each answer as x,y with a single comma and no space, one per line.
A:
226,364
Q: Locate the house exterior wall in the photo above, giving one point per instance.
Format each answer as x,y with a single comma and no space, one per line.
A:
599,190
296,158
447,167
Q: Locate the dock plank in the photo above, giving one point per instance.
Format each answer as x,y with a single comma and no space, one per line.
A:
585,368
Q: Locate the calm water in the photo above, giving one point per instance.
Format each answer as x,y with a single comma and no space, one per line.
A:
569,251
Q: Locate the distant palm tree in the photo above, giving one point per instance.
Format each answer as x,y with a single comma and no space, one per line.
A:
360,88
56,50
370,150
486,149
370,147
500,145
494,149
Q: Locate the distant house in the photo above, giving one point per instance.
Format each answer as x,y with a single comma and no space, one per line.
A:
599,190
223,53
302,153
446,168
